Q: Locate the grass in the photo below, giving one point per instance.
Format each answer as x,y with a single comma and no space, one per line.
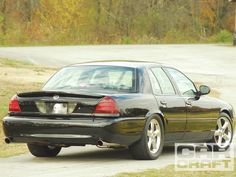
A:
169,171
17,76
13,63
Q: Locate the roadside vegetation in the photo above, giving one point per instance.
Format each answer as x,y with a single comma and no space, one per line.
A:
60,22
169,171
16,77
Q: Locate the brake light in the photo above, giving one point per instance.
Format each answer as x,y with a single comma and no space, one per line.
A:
107,106
14,105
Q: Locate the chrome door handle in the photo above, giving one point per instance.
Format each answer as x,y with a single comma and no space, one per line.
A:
188,103
163,104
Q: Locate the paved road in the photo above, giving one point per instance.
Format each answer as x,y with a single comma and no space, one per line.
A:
211,64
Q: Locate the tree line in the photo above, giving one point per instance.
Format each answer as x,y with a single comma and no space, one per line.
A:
65,22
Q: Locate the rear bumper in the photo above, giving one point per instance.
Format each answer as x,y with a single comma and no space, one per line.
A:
81,131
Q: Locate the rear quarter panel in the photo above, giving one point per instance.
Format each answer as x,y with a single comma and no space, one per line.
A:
136,107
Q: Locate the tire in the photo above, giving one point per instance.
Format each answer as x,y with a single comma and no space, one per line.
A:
43,151
143,149
214,144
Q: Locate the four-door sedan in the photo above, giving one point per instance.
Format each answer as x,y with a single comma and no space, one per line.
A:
140,105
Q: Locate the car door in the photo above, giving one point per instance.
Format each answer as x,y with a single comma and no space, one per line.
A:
199,114
170,104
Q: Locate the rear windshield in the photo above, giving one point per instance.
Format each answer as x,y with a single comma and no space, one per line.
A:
94,78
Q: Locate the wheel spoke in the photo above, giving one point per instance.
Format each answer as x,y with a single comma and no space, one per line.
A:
226,137
225,126
149,143
220,140
156,132
217,133
154,144
152,127
149,133
219,124
158,141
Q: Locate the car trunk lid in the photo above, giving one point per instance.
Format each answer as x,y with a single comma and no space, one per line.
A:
57,103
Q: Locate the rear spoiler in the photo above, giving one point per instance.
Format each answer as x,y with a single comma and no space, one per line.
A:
59,93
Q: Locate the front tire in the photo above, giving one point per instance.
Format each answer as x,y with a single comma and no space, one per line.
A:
150,146
43,150
223,134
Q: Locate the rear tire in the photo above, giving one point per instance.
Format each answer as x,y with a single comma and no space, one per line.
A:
43,150
150,146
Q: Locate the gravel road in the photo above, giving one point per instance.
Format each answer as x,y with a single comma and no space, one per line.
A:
213,65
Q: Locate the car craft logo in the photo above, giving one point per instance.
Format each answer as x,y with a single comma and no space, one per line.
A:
197,157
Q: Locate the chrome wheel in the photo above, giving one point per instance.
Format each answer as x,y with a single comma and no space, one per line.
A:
154,136
223,133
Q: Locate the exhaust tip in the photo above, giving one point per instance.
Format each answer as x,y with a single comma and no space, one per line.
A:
100,143
8,140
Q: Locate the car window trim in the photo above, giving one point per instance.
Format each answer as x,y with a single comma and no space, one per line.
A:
149,70
136,80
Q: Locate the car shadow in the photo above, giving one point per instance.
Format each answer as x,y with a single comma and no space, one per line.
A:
100,154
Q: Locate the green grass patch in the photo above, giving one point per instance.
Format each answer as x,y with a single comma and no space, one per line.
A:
169,171
15,63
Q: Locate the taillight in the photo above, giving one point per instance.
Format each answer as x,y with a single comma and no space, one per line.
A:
107,106
14,105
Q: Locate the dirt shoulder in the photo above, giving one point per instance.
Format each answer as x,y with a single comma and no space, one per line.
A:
17,77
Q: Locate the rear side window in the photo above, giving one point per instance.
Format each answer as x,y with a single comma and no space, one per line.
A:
164,81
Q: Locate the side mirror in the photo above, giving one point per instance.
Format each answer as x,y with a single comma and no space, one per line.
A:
204,90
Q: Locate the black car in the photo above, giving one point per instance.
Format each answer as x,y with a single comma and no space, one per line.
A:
139,105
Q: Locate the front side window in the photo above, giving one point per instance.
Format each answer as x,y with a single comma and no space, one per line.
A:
186,86
164,81
94,78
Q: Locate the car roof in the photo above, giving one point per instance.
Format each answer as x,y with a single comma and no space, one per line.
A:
124,63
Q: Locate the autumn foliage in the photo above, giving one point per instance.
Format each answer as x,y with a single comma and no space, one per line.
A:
65,22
